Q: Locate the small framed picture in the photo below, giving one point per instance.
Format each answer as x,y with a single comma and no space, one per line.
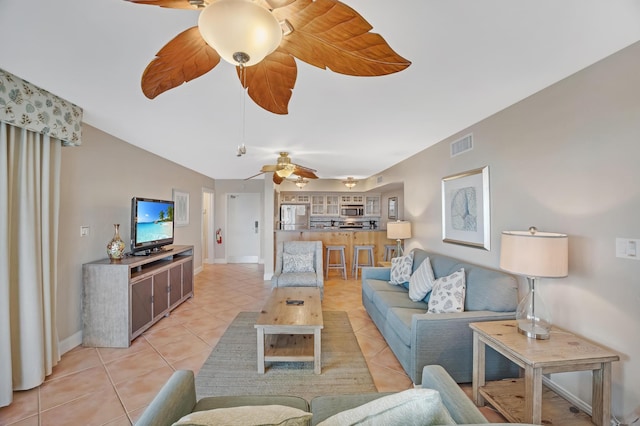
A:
465,209
181,207
393,208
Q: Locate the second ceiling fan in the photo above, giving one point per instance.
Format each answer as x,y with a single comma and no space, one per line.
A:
285,168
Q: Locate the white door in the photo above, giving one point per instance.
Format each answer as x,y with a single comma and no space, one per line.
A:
243,228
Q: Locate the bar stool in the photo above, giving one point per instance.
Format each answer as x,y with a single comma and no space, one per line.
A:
342,264
389,251
356,252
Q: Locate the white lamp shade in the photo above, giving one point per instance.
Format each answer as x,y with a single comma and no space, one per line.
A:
535,254
398,230
231,26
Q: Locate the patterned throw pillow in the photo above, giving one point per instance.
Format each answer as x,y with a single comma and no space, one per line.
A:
262,415
448,294
297,262
421,281
401,269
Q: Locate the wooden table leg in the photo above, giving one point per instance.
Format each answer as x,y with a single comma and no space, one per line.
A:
478,369
316,351
532,395
260,350
601,395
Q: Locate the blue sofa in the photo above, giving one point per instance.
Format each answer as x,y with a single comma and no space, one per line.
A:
418,338
177,398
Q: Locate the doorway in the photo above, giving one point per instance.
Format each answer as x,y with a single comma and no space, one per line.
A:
243,228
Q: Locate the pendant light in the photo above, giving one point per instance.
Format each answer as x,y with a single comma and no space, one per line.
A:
350,182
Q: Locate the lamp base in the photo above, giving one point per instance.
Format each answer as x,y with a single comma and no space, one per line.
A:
534,321
533,330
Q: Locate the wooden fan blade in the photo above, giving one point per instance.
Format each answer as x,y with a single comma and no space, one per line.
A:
277,179
172,4
274,4
270,82
304,172
269,168
251,177
184,58
330,34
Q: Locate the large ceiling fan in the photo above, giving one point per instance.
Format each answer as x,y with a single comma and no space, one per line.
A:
323,33
285,168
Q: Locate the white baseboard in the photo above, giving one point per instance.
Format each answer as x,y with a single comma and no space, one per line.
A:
70,342
221,261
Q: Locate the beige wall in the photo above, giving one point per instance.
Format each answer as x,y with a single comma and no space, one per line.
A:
98,180
564,160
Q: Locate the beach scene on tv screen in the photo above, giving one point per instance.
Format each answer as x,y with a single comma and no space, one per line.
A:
155,221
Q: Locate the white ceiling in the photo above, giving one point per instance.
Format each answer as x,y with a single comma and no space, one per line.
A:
470,59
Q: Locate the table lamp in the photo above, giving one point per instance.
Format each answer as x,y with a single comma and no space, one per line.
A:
534,255
398,230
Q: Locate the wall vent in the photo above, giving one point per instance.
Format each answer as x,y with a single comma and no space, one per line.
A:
379,179
462,145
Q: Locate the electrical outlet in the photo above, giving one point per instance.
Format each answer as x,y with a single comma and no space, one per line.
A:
627,248
84,231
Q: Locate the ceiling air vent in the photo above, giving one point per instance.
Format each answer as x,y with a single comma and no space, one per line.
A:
462,145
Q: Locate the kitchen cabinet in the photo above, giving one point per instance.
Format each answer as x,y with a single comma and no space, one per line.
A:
295,198
372,205
351,199
325,205
317,205
333,205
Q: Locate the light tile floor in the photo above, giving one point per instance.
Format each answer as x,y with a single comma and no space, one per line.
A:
103,386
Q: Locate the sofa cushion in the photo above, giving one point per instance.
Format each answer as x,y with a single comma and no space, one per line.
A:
421,281
370,286
399,321
401,268
302,262
448,294
489,290
264,415
383,300
298,278
409,407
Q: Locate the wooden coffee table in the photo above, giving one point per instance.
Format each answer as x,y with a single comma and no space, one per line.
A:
288,332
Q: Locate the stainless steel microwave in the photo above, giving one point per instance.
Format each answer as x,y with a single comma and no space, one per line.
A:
352,210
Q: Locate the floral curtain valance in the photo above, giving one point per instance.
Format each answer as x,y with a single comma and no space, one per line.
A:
26,105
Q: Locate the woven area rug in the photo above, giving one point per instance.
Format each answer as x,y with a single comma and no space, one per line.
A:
231,369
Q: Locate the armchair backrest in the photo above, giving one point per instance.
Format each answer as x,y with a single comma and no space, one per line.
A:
299,247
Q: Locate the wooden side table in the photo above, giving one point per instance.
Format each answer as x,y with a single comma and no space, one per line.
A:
521,400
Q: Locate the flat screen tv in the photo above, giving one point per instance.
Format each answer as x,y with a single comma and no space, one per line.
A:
151,224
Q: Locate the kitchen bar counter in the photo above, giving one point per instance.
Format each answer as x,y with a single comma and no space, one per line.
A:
348,237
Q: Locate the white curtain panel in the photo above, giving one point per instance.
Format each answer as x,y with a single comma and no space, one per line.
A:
29,205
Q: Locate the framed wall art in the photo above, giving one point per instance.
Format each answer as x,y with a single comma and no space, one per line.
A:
466,209
180,208
393,208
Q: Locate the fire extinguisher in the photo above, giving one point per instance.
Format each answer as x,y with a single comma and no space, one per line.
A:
219,236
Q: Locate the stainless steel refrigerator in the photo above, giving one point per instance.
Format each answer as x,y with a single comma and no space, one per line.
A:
294,216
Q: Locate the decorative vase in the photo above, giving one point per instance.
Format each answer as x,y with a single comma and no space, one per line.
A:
115,247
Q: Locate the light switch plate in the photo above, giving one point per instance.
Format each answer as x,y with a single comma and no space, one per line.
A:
628,248
84,231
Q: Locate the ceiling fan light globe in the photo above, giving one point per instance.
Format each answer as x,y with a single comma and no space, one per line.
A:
240,26
285,172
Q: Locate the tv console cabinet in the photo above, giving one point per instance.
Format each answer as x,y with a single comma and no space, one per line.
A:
123,299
